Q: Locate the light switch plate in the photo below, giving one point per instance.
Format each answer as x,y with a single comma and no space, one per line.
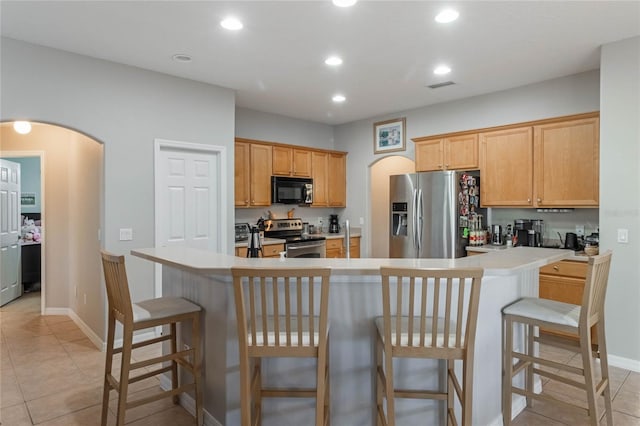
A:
580,230
126,234
623,236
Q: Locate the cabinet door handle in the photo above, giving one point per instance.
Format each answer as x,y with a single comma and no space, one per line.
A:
528,200
446,166
556,268
439,166
539,199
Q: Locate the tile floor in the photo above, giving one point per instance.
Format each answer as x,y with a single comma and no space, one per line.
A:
51,374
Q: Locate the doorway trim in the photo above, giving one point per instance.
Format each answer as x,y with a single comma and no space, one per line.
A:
43,218
220,152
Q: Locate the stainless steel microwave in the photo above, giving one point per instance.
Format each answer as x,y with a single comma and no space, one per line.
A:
288,190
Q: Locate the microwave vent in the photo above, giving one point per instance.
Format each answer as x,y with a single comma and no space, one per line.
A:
439,85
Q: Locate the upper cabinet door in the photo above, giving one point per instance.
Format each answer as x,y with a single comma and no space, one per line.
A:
242,174
461,152
319,164
301,163
506,164
282,157
261,158
429,155
567,163
337,180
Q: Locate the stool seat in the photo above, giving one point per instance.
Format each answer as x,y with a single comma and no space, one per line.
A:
162,307
404,332
309,336
546,310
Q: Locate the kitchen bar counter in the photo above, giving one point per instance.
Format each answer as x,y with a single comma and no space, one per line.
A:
355,299
577,256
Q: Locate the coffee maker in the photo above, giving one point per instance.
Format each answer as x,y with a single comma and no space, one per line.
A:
334,226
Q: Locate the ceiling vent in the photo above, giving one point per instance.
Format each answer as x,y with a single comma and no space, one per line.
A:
439,85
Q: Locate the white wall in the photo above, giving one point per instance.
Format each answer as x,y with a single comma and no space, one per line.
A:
125,108
620,191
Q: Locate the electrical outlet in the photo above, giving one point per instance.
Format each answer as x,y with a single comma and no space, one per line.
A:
362,221
580,230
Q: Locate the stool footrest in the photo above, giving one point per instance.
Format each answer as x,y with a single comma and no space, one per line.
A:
419,394
288,393
161,395
145,343
548,398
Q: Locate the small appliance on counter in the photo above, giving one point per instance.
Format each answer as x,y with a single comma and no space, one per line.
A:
242,231
528,232
571,241
496,235
255,245
334,226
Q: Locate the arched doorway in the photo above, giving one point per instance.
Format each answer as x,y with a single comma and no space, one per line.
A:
72,191
379,173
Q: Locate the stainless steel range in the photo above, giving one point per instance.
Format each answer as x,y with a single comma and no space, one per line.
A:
297,244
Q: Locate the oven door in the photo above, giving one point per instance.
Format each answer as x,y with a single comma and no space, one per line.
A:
317,249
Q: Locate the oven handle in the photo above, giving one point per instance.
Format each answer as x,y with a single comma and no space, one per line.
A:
307,246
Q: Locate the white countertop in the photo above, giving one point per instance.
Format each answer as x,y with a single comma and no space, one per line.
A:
505,262
490,248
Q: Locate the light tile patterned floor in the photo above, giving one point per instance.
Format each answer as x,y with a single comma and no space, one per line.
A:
51,374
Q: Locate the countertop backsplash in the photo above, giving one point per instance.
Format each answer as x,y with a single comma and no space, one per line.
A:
313,215
554,223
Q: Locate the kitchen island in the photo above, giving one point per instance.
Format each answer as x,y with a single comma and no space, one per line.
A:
355,299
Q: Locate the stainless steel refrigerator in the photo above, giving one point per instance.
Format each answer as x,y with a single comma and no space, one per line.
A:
430,213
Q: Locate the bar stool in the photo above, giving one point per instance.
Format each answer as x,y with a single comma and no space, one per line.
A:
141,315
281,312
564,317
435,316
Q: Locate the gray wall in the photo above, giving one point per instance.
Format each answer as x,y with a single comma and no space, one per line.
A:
620,191
564,96
29,180
124,108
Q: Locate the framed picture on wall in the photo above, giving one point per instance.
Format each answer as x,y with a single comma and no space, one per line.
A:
388,136
28,199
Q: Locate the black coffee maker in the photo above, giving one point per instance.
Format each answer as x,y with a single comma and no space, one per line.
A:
334,226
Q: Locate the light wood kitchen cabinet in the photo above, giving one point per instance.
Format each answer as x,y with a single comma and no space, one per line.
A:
567,165
452,153
506,164
319,173
563,281
270,250
252,184
336,248
291,162
337,180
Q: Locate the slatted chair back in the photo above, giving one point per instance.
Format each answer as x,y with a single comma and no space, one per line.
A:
115,276
430,312
281,311
595,289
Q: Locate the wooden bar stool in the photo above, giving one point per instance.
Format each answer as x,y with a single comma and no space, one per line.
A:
141,315
434,316
576,320
281,312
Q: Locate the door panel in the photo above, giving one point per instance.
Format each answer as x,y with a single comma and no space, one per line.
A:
10,285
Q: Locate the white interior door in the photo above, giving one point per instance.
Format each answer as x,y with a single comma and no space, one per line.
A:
190,197
10,285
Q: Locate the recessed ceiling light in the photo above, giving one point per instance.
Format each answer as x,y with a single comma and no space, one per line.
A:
441,70
181,57
333,60
446,16
338,98
344,3
22,127
231,23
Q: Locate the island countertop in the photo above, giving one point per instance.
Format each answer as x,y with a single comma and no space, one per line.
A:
203,277
504,262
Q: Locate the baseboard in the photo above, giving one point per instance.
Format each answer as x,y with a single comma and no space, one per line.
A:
187,402
626,363
518,404
91,335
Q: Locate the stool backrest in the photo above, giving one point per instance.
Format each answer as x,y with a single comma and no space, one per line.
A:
432,309
595,288
282,308
115,277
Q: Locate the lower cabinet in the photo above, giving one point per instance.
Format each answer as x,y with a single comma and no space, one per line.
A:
336,248
271,250
564,281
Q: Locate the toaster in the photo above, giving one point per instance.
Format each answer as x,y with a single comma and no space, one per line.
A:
242,231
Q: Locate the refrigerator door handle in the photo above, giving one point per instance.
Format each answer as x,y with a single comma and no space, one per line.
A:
420,221
415,219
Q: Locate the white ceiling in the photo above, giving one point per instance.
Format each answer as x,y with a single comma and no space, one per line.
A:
275,63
